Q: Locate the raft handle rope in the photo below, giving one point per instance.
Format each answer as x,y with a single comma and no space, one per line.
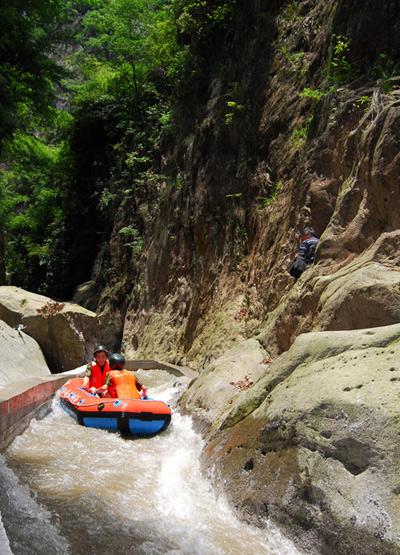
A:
105,402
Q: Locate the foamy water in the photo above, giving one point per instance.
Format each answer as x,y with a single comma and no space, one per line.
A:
69,489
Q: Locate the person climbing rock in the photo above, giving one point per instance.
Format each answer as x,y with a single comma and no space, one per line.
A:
96,372
123,383
306,254
308,245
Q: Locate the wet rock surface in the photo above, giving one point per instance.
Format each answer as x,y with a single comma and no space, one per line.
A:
66,332
21,356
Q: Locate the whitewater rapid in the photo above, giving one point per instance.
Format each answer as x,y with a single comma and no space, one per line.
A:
66,489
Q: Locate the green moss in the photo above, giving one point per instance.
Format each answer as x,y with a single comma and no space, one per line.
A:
300,134
292,12
295,60
313,94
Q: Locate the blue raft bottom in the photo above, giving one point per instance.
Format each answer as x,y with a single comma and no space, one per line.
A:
136,426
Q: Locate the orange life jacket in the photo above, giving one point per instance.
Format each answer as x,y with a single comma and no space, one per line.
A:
123,385
98,376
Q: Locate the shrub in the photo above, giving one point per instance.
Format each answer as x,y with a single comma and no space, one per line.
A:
264,202
313,94
339,67
134,239
299,136
294,59
363,102
235,109
383,70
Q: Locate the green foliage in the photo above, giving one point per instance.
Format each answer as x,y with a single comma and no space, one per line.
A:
124,73
134,239
179,182
339,68
300,135
235,103
363,102
65,173
123,43
166,121
383,70
32,186
234,109
28,66
198,18
292,12
277,188
313,94
106,199
118,78
296,60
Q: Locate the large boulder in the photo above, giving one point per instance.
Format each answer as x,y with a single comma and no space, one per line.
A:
66,332
361,292
20,358
220,386
314,443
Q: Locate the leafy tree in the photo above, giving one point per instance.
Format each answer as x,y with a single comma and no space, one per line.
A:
113,67
28,67
33,188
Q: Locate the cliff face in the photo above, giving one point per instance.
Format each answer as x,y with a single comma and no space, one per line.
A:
300,126
296,122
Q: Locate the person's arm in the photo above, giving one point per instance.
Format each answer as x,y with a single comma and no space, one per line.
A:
86,379
303,249
105,386
142,388
102,389
110,385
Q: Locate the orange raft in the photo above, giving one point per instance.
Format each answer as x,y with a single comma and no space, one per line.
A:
139,417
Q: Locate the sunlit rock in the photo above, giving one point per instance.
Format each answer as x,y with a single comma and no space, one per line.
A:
66,332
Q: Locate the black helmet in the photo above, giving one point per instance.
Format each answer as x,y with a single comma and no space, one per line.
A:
100,349
117,361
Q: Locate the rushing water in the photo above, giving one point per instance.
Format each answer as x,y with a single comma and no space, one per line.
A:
69,489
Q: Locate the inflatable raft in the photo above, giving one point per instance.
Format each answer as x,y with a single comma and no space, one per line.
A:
129,416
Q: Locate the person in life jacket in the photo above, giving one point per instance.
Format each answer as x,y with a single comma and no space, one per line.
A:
123,383
96,372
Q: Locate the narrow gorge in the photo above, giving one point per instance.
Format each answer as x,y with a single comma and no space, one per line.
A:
192,144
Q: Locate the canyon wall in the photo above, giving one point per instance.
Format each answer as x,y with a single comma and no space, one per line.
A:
295,121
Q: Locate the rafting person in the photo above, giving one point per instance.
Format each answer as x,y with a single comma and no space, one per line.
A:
123,383
96,372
